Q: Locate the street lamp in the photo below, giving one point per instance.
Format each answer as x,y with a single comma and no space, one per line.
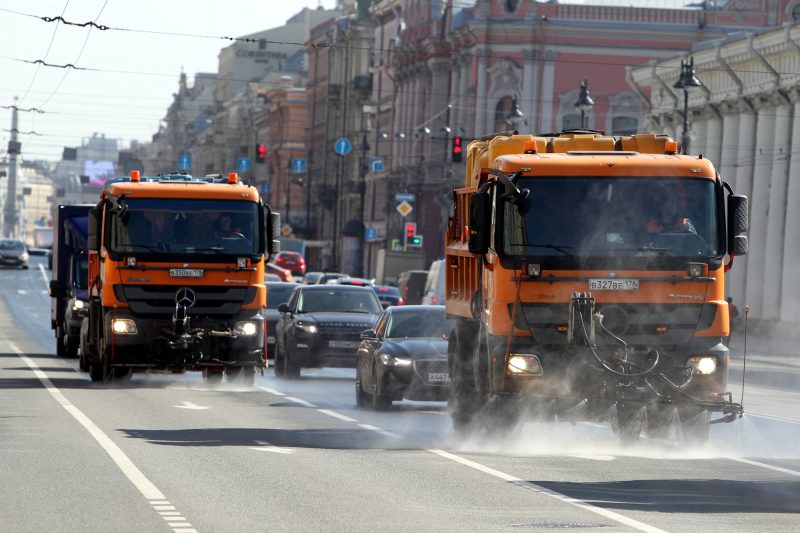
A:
686,81
584,102
515,115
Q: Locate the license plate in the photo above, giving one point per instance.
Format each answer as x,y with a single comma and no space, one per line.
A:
186,272
343,344
270,340
438,377
613,284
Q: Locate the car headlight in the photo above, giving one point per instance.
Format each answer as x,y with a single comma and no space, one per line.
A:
703,364
528,364
24,256
77,305
245,329
123,326
390,360
308,328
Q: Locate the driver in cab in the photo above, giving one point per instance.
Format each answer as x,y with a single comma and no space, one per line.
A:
223,228
668,218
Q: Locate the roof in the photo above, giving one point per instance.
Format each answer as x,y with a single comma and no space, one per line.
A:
612,164
212,187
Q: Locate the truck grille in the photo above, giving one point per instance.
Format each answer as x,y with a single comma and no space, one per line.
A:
160,299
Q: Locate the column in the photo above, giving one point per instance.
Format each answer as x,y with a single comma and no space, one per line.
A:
480,97
790,295
548,95
742,162
456,97
415,143
726,166
759,208
713,140
527,99
464,115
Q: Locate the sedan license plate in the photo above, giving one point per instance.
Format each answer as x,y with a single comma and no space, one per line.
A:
186,272
343,344
270,340
613,284
438,377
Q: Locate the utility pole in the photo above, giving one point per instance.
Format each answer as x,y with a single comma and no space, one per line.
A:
10,218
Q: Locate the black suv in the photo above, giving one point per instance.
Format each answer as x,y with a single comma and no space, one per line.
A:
321,325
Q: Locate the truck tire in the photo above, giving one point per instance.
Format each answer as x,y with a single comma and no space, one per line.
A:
694,425
100,370
61,349
241,375
212,376
71,347
462,401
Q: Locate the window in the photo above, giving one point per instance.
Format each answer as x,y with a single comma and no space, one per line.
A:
624,125
571,122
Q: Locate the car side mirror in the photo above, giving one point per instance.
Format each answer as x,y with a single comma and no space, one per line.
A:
368,334
738,225
480,208
283,308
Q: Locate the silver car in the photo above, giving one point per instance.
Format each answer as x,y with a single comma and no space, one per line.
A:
13,253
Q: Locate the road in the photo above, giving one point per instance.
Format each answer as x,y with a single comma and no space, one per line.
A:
168,453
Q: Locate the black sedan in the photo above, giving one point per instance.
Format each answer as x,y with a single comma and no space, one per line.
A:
405,356
388,295
321,325
277,293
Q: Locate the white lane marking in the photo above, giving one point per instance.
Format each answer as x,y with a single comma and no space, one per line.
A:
594,457
624,520
181,525
301,402
772,417
169,513
190,405
182,530
334,414
264,446
44,276
159,502
380,431
272,391
22,291
177,518
164,507
764,465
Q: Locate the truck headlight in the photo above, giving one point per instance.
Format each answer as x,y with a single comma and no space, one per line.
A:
123,326
245,329
703,364
390,360
308,328
524,364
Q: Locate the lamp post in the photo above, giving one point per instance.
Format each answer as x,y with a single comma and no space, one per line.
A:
584,102
515,115
686,81
362,191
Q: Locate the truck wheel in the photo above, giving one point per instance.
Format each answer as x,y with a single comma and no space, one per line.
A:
380,401
71,347
83,364
61,349
628,424
212,376
694,425
101,370
362,398
241,375
461,402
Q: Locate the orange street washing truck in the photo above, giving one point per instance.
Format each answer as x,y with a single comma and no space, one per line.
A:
586,275
176,277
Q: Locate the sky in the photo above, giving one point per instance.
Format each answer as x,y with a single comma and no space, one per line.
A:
136,72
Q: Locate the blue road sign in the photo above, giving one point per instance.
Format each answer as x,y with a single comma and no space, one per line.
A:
298,166
184,162
370,233
266,188
243,164
404,197
342,146
377,164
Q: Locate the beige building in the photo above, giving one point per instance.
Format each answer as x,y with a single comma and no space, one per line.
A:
36,190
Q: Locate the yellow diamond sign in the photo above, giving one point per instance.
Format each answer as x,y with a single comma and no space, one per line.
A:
404,208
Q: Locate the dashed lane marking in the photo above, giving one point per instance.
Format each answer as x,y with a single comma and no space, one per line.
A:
264,446
123,462
334,414
45,277
301,402
380,431
764,465
272,391
772,417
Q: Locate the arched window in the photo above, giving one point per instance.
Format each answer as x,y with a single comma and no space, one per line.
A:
500,114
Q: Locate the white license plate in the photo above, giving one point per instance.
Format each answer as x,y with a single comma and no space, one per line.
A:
343,344
270,340
438,377
186,272
613,284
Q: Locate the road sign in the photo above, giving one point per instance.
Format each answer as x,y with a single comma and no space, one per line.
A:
298,166
266,188
404,208
243,164
370,233
342,146
404,197
286,230
377,164
184,162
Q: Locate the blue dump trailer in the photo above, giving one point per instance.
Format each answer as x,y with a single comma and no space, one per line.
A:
68,287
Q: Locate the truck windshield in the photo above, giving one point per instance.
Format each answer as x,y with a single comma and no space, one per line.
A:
185,226
615,217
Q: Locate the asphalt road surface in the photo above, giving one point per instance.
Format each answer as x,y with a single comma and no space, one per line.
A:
167,453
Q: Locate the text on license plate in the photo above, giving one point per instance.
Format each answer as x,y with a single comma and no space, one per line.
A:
186,272
438,377
613,284
343,344
270,340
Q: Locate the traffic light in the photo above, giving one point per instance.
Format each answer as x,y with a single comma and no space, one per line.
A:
261,153
457,150
412,239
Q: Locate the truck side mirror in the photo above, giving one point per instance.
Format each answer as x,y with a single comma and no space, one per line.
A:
92,241
738,225
272,231
480,209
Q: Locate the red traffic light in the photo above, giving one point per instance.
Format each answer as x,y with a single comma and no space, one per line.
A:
411,230
457,150
261,153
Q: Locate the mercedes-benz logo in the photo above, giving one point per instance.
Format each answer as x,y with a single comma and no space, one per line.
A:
185,297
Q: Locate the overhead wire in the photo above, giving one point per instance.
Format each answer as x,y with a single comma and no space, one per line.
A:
42,62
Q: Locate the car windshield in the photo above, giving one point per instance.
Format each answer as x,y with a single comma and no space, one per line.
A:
11,245
612,217
80,272
421,324
342,301
185,226
278,294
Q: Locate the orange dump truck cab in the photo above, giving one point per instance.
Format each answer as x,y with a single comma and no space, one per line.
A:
176,277
586,276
